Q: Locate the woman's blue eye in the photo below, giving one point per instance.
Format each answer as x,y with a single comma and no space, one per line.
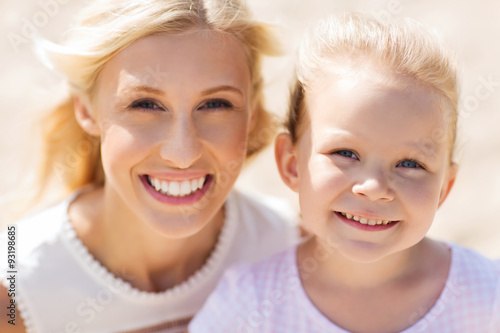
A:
409,164
147,105
346,153
217,104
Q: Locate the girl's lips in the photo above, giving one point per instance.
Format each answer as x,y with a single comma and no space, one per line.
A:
177,200
366,227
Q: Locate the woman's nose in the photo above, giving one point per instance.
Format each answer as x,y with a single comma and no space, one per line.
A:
181,145
376,186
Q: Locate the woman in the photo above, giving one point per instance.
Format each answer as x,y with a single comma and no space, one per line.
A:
165,107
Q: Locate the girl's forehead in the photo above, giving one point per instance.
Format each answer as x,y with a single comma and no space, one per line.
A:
375,107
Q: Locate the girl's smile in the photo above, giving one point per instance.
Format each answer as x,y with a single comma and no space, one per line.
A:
364,223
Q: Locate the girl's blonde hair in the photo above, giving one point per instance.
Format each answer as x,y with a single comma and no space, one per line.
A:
403,46
103,29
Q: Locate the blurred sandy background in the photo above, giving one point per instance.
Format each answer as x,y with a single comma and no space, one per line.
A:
472,28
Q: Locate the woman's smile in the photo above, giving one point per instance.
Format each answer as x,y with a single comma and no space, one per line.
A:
172,192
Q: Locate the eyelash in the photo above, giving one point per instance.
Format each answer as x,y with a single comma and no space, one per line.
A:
152,105
140,105
418,165
223,104
343,152
340,152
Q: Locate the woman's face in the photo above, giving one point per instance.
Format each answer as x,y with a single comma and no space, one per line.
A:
173,113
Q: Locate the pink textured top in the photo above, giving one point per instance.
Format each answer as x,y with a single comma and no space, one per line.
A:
268,297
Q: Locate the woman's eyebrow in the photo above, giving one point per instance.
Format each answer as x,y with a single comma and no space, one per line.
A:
144,88
221,88
156,91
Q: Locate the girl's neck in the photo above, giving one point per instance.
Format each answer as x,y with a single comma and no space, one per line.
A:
335,269
133,251
389,295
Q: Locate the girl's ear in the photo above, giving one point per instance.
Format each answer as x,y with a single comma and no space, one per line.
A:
84,116
449,182
286,159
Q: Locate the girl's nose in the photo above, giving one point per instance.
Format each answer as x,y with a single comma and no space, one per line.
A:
375,187
181,145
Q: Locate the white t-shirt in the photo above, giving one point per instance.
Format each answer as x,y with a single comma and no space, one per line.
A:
62,288
268,297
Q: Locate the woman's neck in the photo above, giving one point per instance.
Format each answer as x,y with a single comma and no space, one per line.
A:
132,250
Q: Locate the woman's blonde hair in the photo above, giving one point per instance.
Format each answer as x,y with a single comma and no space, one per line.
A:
103,29
402,46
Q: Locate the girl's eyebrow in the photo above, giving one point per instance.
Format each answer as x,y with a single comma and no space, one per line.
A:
337,134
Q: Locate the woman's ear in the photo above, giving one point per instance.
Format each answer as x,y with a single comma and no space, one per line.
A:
449,182
286,159
84,116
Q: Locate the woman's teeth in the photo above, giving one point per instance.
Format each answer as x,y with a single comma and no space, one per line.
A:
363,220
176,189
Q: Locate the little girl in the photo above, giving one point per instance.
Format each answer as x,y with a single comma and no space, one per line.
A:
369,147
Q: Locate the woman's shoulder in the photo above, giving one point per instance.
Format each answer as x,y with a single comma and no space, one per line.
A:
29,232
12,322
264,224
263,210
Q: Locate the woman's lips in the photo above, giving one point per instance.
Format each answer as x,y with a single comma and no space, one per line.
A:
177,192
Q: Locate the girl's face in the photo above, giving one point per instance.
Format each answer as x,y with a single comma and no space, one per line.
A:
372,167
173,113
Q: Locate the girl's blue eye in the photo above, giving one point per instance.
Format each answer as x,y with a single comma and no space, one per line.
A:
346,153
217,104
146,105
409,164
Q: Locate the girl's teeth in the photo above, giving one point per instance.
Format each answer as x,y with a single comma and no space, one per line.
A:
177,189
363,220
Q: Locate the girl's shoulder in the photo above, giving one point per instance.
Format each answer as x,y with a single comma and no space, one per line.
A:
474,265
248,290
